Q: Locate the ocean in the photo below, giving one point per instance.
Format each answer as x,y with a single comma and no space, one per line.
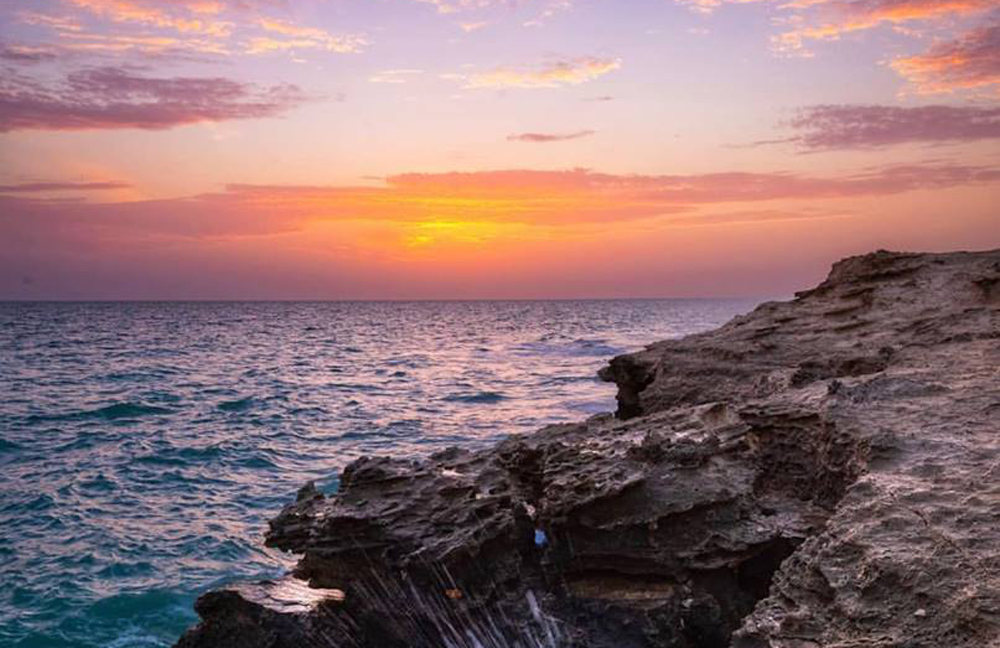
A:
144,446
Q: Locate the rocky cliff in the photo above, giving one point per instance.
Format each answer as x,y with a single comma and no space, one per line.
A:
822,472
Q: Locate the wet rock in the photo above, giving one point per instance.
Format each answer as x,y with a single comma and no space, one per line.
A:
820,472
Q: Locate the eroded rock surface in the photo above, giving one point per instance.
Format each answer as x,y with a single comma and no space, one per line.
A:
818,473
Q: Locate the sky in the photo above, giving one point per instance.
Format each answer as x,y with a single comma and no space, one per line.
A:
477,149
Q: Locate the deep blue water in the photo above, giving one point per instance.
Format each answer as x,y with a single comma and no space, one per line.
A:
143,446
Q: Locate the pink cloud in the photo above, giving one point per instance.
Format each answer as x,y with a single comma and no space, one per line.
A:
543,138
35,187
110,97
828,127
646,193
26,55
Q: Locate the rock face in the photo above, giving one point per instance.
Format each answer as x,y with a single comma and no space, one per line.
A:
822,472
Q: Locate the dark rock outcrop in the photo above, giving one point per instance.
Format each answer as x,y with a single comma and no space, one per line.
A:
818,473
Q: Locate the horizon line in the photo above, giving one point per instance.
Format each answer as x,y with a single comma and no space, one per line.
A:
29,300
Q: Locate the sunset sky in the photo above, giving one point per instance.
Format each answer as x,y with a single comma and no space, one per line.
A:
331,149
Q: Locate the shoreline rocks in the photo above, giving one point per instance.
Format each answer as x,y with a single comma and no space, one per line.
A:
819,472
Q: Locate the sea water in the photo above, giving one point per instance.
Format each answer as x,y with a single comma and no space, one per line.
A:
143,446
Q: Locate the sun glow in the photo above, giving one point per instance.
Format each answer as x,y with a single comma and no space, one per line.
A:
455,232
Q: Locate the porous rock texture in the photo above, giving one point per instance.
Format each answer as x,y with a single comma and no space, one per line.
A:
822,472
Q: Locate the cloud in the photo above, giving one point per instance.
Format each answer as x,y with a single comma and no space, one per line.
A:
470,27
463,206
819,20
828,20
35,187
754,216
26,55
600,98
180,27
188,16
298,37
393,76
828,127
552,8
971,62
456,6
708,6
113,97
551,75
645,194
542,138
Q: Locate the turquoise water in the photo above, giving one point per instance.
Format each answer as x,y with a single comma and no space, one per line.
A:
143,446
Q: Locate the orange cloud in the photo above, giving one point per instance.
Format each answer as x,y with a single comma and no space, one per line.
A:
971,62
298,38
830,19
819,20
189,16
551,75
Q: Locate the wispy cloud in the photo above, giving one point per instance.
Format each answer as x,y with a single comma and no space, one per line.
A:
38,187
531,198
550,75
846,126
825,20
803,21
111,97
649,193
708,6
551,8
754,216
543,138
971,62
394,76
454,6
189,16
183,28
26,55
296,37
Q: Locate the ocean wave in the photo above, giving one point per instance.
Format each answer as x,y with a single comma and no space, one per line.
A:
239,405
110,412
484,397
8,446
573,348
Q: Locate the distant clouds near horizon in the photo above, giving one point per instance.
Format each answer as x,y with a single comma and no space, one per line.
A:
481,148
